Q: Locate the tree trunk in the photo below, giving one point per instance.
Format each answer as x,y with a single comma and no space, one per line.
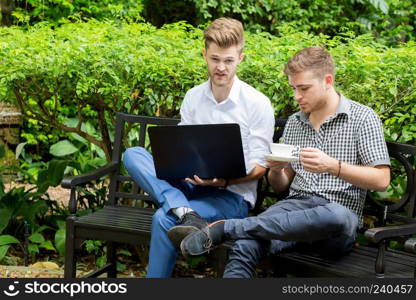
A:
6,8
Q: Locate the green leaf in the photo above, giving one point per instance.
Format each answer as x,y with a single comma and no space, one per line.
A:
47,245
121,267
42,228
101,261
33,248
124,252
79,138
53,175
381,5
61,224
3,251
5,215
56,169
19,149
8,239
2,151
36,238
60,241
62,148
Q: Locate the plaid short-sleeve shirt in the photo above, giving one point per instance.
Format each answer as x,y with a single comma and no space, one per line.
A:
353,135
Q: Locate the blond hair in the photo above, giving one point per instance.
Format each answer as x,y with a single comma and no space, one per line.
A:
225,32
314,59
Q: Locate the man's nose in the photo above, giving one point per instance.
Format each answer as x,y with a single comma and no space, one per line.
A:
298,96
221,66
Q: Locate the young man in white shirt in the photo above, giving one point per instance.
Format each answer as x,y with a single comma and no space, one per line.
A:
188,205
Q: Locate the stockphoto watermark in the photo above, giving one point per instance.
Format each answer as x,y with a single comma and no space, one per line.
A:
63,288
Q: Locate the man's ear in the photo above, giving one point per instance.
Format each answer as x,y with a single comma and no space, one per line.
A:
204,53
329,80
241,56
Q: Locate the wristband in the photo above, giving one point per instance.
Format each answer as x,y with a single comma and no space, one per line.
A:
339,168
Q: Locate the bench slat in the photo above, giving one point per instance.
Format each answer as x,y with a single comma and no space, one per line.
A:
359,263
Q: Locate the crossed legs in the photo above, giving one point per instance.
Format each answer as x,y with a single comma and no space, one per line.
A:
211,203
283,225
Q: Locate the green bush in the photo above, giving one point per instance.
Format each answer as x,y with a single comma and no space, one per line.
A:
84,73
62,11
393,20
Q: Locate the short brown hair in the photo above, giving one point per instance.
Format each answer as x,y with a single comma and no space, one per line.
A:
225,32
314,59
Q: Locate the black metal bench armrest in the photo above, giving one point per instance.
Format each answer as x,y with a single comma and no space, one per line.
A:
375,235
410,245
70,182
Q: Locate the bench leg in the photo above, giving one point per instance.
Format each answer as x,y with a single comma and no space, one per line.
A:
380,264
112,259
70,260
219,260
279,270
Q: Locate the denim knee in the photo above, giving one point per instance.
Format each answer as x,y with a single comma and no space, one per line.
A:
130,155
343,219
244,257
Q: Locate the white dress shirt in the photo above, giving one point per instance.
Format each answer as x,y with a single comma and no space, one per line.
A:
245,106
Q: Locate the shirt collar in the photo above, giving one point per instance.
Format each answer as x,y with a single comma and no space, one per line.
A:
343,107
234,92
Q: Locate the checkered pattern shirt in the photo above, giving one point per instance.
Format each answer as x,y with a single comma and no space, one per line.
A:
353,135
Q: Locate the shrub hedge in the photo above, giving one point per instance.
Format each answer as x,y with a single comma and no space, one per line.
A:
393,20
88,71
25,12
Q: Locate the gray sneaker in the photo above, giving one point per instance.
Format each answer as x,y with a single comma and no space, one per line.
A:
188,223
204,240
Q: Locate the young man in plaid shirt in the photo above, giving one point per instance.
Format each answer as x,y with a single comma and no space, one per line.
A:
343,155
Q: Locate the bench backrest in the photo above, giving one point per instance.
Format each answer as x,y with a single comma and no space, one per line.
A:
128,125
398,202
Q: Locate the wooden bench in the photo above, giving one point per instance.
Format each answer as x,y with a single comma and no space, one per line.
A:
393,221
127,215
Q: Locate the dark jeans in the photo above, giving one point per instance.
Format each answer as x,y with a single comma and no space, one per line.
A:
286,224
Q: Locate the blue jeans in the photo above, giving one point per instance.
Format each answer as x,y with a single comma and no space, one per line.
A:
209,202
289,223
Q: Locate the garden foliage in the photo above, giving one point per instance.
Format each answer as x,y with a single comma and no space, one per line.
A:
22,211
394,20
25,12
74,78
391,20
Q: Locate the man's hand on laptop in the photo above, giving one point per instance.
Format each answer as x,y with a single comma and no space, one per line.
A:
218,182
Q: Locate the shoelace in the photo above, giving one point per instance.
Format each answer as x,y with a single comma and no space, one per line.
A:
208,242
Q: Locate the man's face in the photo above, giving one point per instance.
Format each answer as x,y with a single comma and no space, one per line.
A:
310,90
222,64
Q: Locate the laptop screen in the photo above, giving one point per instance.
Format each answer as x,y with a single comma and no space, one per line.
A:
209,151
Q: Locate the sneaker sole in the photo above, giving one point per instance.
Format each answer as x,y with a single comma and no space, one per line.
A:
177,233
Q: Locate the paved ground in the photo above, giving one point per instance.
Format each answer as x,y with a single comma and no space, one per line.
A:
31,272
55,193
28,272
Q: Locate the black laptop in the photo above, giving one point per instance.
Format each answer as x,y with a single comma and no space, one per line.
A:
209,151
